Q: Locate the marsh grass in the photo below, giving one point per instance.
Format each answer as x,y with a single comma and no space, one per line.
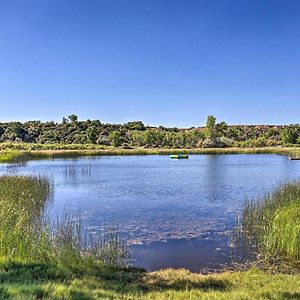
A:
26,235
271,226
22,152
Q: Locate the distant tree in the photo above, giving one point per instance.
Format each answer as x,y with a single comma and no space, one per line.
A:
289,135
64,120
221,129
210,130
135,125
73,118
115,138
91,134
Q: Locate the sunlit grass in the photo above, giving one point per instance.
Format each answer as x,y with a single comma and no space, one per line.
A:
22,152
27,236
271,226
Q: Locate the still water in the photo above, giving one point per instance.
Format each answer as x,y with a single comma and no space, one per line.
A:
173,213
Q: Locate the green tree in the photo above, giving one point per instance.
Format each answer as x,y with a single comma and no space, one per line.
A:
91,134
73,118
210,130
289,135
221,129
134,125
115,138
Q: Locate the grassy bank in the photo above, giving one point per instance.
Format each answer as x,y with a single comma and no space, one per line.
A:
44,281
11,152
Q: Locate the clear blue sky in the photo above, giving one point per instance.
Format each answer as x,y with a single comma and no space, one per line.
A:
165,62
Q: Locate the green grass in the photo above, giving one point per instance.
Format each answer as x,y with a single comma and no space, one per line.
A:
27,236
42,281
14,152
271,226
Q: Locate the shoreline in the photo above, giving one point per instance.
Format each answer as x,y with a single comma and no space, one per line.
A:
25,152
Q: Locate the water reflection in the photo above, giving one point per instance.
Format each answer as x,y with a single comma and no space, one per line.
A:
73,173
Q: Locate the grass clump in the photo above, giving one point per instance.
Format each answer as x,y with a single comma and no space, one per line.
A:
27,236
22,201
13,156
271,227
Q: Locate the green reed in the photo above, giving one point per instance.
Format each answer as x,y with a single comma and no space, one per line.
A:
271,226
22,152
26,235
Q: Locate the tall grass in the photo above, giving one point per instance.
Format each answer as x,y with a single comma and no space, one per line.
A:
23,152
27,236
14,156
271,226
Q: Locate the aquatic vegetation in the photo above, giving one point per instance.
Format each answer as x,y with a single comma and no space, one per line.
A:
27,236
28,151
271,226
13,156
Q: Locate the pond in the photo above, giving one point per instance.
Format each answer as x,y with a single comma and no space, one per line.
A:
173,213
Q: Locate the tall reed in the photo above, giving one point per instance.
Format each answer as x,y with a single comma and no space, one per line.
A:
26,235
271,226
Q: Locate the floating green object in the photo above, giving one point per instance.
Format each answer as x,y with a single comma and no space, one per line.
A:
179,156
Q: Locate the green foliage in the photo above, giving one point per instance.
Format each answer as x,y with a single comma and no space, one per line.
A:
135,125
116,138
73,118
272,226
136,134
221,129
289,135
91,134
27,236
210,129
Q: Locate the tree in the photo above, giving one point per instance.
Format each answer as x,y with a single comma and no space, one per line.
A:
289,135
115,138
221,129
73,118
91,134
134,125
210,127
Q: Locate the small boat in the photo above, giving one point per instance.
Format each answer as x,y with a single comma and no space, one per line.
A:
179,156
294,158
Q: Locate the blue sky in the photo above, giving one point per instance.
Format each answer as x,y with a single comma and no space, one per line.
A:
165,62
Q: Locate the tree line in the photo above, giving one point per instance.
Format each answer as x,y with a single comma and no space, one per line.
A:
136,134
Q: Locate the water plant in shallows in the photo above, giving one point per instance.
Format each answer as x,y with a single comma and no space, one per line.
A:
27,235
271,226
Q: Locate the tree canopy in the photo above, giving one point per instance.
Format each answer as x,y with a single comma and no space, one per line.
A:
135,134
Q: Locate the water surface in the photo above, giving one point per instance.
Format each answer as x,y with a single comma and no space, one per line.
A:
174,213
